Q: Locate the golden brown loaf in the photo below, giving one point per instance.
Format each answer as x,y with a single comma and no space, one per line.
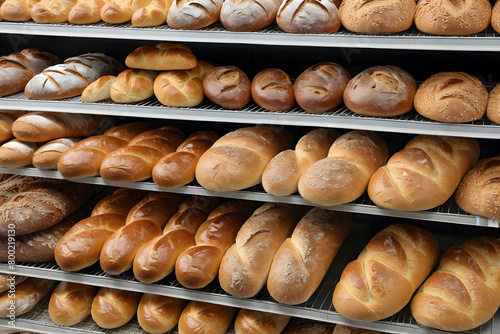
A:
16,10
119,11
258,322
132,85
227,86
453,97
272,89
343,175
159,314
52,11
27,295
1,2
112,308
162,57
463,293
381,91
152,15
7,118
305,17
86,12
493,106
99,89
343,329
307,326
47,155
70,303
302,260
7,281
453,17
382,280
248,15
204,318
424,174
377,17
17,153
320,87
193,14
495,17
281,175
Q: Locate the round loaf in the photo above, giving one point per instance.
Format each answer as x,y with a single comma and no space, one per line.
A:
99,90
272,89
70,303
495,17
159,314
377,17
320,88
307,326
16,10
113,308
162,57
258,322
453,17
305,17
248,15
227,86
381,91
132,86
193,14
204,318
47,155
493,106
452,97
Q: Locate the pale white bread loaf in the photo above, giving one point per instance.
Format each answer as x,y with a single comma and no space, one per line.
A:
248,15
463,293
452,17
86,12
245,267
7,117
113,308
320,87
152,15
159,314
52,11
135,161
47,155
493,106
478,192
302,261
121,11
193,14
99,89
377,17
178,168
453,97
495,17
237,160
281,175
156,259
26,296
132,85
424,174
17,153
227,86
86,156
70,303
382,280
308,326
198,265
343,329
8,282
71,77
17,10
272,89
343,175
258,322
304,17
205,318
162,57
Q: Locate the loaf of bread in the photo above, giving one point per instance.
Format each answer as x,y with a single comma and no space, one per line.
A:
86,156
47,155
281,175
495,17
17,153
343,329
8,281
320,87
193,14
258,322
27,295
304,17
205,318
198,265
177,168
71,77
17,10
248,15
424,174
152,15
86,12
14,184
99,89
113,308
52,11
159,314
493,106
302,261
70,303
272,89
453,97
449,17
343,175
162,57
133,85
382,280
7,118
156,259
227,86
237,160
1,2
380,91
463,293
117,11
308,326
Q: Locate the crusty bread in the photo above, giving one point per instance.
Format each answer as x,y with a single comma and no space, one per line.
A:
7,118
132,85
248,15
205,318
495,17
493,106
8,281
193,14
99,89
159,314
86,12
227,86
47,155
17,10
52,11
305,17
162,57
258,322
113,308
28,294
272,89
70,303
17,153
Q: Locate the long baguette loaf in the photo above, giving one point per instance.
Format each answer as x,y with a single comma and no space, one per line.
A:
113,308
70,303
47,155
86,12
17,153
26,296
7,118
258,322
8,282
205,318
382,280
52,11
159,314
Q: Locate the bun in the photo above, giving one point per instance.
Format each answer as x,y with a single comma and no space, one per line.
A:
99,90
272,89
152,15
28,295
47,155
162,57
303,17
493,106
307,326
386,274
52,11
159,314
70,303
320,87
193,14
257,322
17,153
116,11
86,12
227,86
424,174
248,15
495,17
16,10
380,91
113,308
204,318
132,86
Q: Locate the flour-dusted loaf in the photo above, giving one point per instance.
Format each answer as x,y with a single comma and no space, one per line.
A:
86,12
159,314
227,86
272,89
249,15
27,295
193,14
52,11
99,89
305,17
152,15
162,57
258,322
70,303
17,153
117,11
7,118
205,318
47,155
113,308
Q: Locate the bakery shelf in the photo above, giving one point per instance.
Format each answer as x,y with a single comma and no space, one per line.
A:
341,117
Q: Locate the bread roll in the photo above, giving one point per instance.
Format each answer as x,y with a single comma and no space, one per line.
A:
70,303
343,329
258,322
237,160
304,17
453,97
52,11
281,175
307,326
47,155
162,57
86,12
302,261
382,280
17,153
204,318
132,86
227,86
493,106
17,10
320,87
452,17
177,168
495,17
152,15
377,17
193,14
113,308
159,314
463,293
272,89
118,11
424,174
99,89
27,295
8,282
7,118
343,175
135,161
380,91
248,15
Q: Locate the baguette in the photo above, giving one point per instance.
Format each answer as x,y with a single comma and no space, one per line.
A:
17,153
7,118
132,85
113,308
307,326
86,12
205,318
258,322
99,89
162,57
193,14
8,282
27,295
52,11
159,314
47,155
70,303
